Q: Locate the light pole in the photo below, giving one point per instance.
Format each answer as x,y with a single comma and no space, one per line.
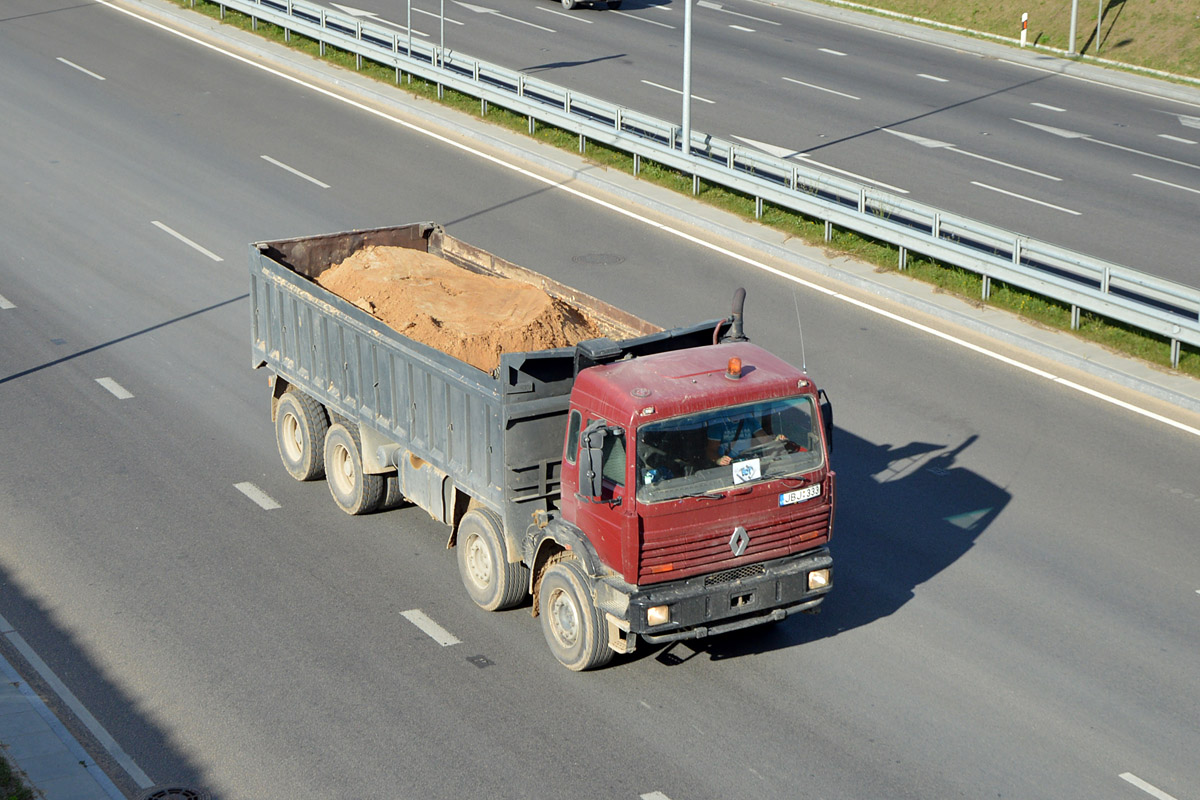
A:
686,145
1074,14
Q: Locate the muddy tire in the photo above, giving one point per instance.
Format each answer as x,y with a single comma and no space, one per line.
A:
573,626
354,492
300,427
492,581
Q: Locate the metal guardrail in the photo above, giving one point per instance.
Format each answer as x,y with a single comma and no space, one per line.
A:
1154,305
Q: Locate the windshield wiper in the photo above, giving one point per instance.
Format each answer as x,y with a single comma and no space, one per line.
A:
712,494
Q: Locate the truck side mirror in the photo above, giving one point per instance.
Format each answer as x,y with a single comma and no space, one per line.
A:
826,416
591,458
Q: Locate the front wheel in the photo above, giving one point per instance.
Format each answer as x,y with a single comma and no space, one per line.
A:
493,582
573,626
570,4
354,491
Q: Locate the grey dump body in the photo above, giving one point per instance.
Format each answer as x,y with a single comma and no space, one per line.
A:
450,431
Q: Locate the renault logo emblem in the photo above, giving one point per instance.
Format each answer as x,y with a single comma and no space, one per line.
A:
739,540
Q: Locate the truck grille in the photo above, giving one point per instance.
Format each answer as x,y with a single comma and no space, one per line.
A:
678,557
731,575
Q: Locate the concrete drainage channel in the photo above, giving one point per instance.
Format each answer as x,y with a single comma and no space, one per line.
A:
172,792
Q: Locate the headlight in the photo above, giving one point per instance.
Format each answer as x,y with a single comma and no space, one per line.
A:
818,579
658,615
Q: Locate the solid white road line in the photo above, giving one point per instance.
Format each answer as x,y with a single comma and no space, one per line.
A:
1149,789
118,391
677,91
1024,197
296,172
68,697
563,186
1066,134
1167,183
5,303
932,78
1048,108
1179,139
256,494
820,88
185,240
430,628
81,69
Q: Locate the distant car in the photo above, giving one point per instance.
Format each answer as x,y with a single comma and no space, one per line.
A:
570,4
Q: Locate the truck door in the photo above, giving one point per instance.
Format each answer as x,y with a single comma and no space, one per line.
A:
604,518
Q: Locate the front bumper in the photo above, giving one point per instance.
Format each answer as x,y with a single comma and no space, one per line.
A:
707,605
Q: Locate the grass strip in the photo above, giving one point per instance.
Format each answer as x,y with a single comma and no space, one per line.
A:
1111,334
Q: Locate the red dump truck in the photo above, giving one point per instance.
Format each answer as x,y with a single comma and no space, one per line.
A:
644,485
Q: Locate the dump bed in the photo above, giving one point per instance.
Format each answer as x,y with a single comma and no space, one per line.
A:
440,422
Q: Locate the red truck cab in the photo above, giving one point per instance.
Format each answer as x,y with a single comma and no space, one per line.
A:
700,478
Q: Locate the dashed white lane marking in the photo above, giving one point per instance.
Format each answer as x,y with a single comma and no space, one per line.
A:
1167,183
1179,139
430,628
643,19
81,69
654,796
264,500
831,52
1026,198
1149,789
1048,108
671,231
82,714
118,391
572,17
4,303
932,78
493,12
185,240
718,7
678,92
820,88
934,144
296,172
742,28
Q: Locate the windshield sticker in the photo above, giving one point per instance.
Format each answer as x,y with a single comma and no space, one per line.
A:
746,471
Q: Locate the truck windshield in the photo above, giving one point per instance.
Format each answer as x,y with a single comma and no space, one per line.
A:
721,448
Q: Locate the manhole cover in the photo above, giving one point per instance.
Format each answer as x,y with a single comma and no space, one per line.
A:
174,793
599,259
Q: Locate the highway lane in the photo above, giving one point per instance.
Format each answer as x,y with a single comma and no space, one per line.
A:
1119,179
1016,564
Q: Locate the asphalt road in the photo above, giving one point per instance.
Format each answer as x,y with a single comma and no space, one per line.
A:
1015,602
1105,171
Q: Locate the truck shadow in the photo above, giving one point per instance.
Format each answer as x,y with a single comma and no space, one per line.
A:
904,514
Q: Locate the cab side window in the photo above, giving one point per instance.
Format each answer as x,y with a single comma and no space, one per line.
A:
573,426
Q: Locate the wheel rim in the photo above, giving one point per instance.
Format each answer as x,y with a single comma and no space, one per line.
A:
293,437
343,469
564,618
479,561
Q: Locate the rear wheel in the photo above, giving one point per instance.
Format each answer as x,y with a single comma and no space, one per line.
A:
573,626
300,426
493,582
354,492
614,4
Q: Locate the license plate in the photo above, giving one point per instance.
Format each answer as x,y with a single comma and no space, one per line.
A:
800,495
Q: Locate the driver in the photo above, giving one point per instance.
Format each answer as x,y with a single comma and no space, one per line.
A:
729,438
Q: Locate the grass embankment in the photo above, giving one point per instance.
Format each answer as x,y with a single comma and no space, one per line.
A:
1156,34
884,257
12,787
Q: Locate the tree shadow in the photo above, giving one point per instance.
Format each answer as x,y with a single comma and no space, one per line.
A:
904,515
